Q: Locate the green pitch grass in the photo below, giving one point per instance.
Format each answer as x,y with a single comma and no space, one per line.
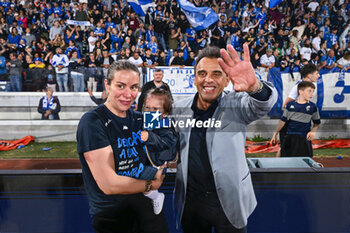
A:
69,150
35,151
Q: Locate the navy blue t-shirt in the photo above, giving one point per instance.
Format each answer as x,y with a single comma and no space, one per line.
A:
99,128
299,117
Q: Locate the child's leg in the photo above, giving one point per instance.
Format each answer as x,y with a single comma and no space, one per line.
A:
153,194
157,200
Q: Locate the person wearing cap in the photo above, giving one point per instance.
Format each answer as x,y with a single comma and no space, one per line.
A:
49,106
38,63
15,72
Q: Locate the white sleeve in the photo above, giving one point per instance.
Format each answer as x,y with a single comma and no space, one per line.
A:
293,94
263,60
66,61
273,59
54,60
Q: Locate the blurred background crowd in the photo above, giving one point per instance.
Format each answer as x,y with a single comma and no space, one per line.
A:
69,45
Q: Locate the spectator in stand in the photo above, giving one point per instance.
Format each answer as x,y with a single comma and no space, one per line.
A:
76,72
133,22
70,48
331,60
92,66
137,60
178,60
332,38
51,77
61,62
160,27
28,36
202,40
190,61
267,61
149,33
314,59
71,34
182,23
218,34
344,62
161,59
49,106
99,31
56,30
157,82
185,48
3,70
316,41
92,40
13,38
127,44
15,72
174,38
122,55
149,60
98,101
80,14
36,75
305,51
153,45
106,62
191,36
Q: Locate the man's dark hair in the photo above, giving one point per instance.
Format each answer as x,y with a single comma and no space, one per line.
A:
158,70
162,93
305,84
308,69
209,52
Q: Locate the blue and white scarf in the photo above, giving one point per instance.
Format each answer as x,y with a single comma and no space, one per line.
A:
48,104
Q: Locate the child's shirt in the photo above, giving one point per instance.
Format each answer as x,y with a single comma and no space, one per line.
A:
162,145
299,117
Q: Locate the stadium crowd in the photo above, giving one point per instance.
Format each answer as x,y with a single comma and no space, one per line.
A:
72,44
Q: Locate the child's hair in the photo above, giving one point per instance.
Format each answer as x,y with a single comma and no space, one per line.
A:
160,92
305,84
308,69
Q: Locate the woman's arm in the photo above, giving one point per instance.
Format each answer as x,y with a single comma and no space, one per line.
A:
101,164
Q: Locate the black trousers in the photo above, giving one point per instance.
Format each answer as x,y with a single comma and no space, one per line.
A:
134,215
203,212
295,145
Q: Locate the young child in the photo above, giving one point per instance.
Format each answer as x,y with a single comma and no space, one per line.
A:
161,144
299,114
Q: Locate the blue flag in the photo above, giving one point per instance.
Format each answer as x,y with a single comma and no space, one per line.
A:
199,17
272,3
141,6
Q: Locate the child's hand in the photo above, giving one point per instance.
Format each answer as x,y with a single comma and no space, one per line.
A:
273,140
158,178
310,136
144,136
